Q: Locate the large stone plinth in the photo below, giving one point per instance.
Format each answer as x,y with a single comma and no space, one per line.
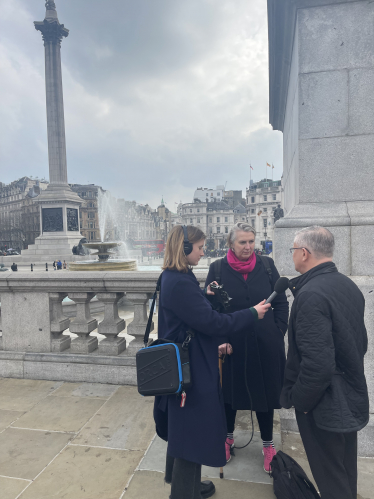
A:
321,63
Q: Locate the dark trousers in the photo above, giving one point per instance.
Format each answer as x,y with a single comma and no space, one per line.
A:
186,480
265,422
332,458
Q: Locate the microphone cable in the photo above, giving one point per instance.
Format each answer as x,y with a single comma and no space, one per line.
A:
249,395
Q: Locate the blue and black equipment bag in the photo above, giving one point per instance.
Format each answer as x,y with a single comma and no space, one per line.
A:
163,367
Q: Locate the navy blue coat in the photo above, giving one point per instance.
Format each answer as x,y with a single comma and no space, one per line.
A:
264,339
196,432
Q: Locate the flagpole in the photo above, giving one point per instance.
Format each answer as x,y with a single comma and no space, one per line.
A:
250,175
272,172
266,171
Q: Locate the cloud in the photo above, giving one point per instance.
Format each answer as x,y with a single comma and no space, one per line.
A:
160,96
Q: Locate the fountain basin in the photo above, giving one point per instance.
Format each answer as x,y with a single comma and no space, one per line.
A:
107,265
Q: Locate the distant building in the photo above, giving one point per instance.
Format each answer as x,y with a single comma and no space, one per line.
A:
205,195
262,199
214,211
19,212
88,212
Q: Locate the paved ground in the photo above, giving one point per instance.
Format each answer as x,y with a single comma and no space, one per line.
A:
81,440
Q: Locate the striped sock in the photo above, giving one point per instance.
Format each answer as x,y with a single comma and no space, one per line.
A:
230,436
268,443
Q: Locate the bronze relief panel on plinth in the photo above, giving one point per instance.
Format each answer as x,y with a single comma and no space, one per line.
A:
72,218
52,220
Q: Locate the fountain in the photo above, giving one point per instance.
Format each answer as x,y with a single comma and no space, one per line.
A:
107,220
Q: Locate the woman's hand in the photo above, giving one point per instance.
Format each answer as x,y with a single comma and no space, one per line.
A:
208,290
261,309
225,349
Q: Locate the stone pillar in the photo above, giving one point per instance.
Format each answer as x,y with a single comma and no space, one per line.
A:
53,33
59,323
321,60
138,325
111,325
83,324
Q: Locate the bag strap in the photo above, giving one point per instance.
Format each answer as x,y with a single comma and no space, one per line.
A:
149,323
265,261
217,265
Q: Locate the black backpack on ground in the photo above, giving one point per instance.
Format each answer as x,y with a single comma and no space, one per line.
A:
290,480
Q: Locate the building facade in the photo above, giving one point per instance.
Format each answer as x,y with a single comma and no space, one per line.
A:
19,212
262,199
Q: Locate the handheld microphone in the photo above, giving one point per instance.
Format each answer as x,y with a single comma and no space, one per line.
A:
279,287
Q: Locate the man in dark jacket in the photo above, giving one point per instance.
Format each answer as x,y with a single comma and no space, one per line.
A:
324,375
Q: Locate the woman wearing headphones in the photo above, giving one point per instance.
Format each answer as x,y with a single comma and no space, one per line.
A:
195,428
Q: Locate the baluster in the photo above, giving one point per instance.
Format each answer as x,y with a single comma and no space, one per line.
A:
59,341
138,325
83,324
111,325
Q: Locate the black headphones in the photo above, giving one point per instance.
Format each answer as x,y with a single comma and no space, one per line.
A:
187,246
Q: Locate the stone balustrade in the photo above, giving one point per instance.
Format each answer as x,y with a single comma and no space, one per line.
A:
36,342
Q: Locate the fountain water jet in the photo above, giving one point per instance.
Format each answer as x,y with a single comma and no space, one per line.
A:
108,219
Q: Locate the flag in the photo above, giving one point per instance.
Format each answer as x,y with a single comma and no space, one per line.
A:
250,166
272,167
268,165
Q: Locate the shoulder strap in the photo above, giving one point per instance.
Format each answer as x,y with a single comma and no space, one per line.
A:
148,328
217,266
265,261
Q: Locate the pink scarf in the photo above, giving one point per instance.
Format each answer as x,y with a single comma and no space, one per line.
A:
242,267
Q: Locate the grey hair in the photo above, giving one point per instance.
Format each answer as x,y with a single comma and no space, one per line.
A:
238,227
316,239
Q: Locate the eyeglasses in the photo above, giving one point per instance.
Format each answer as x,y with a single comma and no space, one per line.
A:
293,249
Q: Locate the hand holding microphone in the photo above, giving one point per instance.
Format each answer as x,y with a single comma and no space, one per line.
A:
280,286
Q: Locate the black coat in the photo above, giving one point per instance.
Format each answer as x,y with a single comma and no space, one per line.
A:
263,341
197,431
327,343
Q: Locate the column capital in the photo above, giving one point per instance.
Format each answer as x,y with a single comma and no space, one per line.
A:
51,30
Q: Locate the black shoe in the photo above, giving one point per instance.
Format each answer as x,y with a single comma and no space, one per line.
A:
207,489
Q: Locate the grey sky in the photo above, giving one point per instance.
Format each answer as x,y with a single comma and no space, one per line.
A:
161,96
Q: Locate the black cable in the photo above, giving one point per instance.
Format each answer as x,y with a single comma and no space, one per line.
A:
249,395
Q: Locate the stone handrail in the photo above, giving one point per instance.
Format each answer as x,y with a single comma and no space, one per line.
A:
33,343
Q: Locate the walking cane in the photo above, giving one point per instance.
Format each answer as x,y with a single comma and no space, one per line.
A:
220,361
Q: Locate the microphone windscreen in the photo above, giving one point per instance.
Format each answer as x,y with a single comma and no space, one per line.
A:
281,285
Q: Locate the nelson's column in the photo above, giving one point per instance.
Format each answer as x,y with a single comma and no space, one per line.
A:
59,205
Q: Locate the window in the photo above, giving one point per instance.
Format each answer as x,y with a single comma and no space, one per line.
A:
210,219
207,194
265,209
266,184
226,230
198,220
243,219
198,210
252,210
252,199
191,221
92,235
265,222
211,194
91,214
218,219
218,193
253,222
190,210
265,197
226,219
218,230
274,197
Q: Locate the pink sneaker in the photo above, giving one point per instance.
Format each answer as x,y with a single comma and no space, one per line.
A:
229,444
269,453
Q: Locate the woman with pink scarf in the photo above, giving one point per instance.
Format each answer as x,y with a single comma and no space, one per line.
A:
253,362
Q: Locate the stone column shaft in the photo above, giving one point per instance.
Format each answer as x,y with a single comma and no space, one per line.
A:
55,114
